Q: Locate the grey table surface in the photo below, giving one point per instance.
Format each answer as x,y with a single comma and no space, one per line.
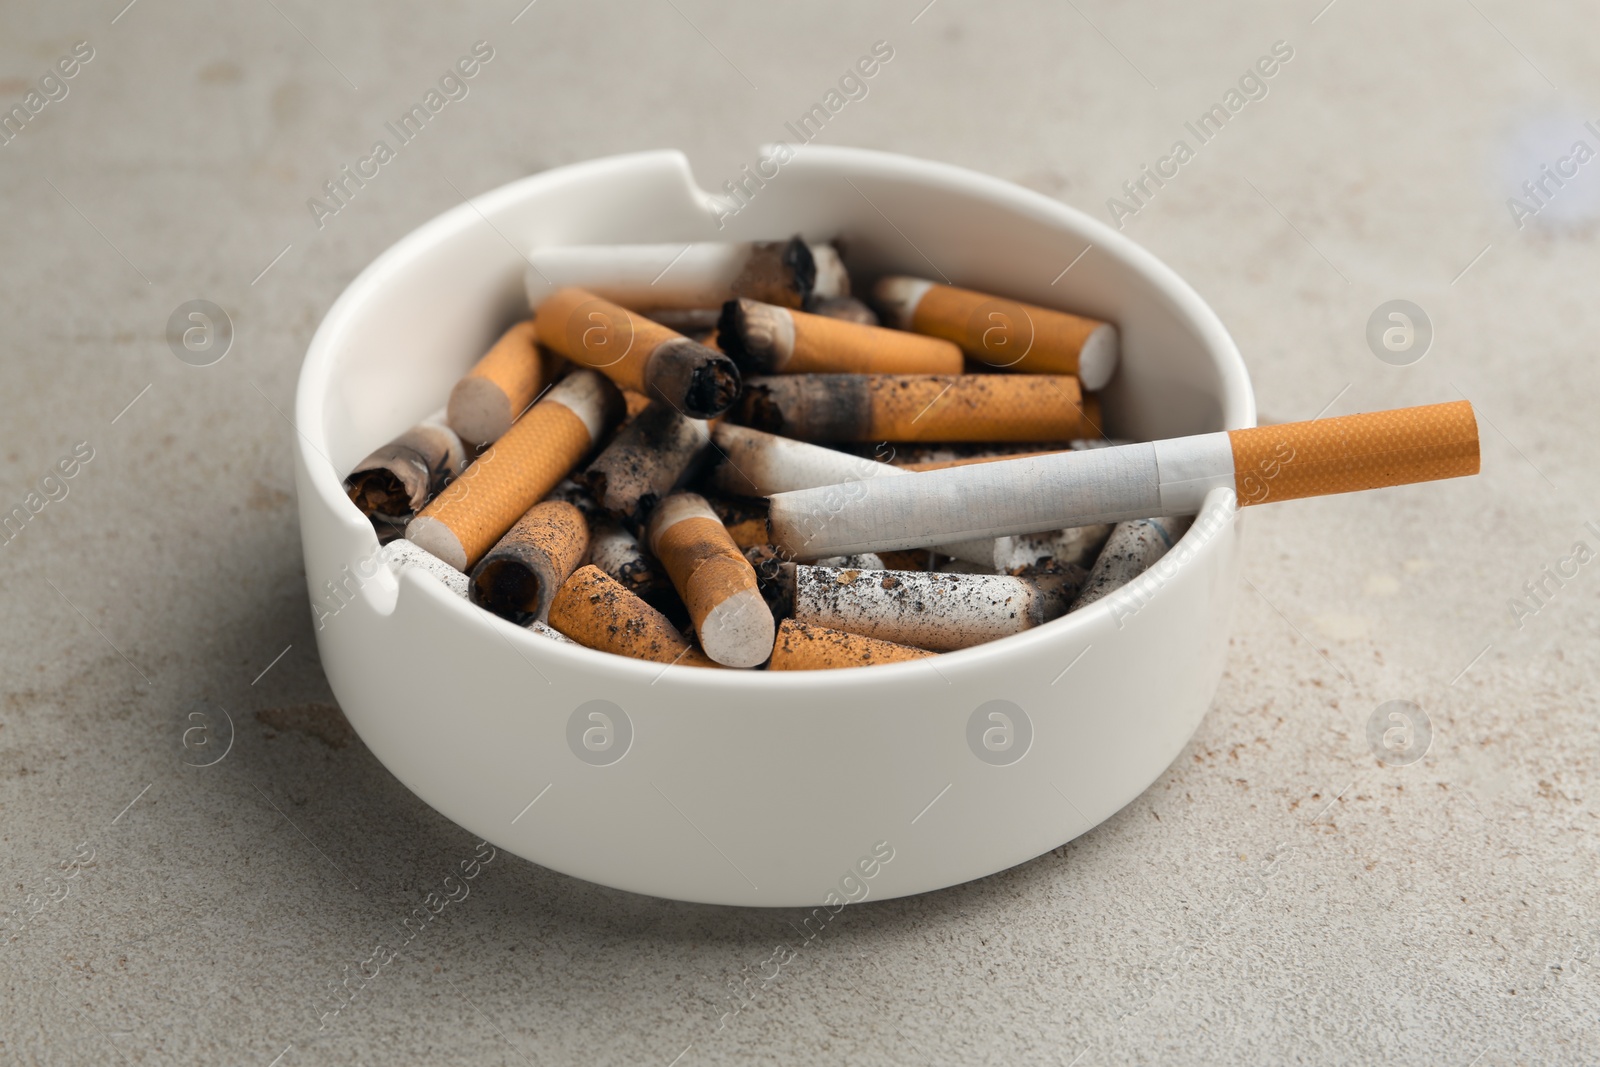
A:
1280,894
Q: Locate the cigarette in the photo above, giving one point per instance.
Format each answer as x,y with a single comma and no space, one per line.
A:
1043,552
1134,547
1109,485
499,387
860,561
761,464
648,458
938,458
767,339
519,575
847,308
919,407
594,610
638,354
690,275
716,582
517,471
617,552
402,556
396,481
1004,334
802,647
927,610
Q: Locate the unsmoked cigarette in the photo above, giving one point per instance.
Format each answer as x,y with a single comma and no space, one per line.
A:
1108,485
716,582
1004,334
517,471
396,481
690,275
767,339
519,575
1133,548
933,611
939,457
918,407
593,609
638,354
648,458
847,308
803,647
499,387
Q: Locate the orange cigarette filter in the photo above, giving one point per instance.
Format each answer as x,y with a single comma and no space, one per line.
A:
766,339
499,387
717,584
803,647
920,407
1004,334
517,471
637,353
596,610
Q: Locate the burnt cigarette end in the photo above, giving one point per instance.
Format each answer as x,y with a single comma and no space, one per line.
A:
690,378
812,407
398,479
520,574
381,493
506,587
649,458
754,335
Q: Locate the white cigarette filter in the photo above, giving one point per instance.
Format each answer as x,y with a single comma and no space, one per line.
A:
690,275
717,584
1004,334
756,463
1108,485
928,610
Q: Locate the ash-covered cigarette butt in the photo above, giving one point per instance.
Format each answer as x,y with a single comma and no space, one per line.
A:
934,611
919,407
593,609
1047,552
1003,334
499,387
803,647
395,482
716,582
402,556
650,457
517,471
1133,548
519,575
767,339
637,353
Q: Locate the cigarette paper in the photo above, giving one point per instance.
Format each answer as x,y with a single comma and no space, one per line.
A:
938,457
861,561
593,609
716,582
648,458
767,339
519,575
499,387
918,407
517,471
1031,553
1108,485
847,308
689,275
638,354
933,611
553,634
402,556
1004,334
617,552
802,647
1133,548
393,484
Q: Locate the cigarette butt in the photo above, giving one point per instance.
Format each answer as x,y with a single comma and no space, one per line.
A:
1109,485
1051,551
648,458
638,354
694,275
744,518
716,582
550,632
803,647
617,552
517,471
402,556
767,339
927,610
847,308
1003,334
396,481
917,407
499,387
1133,548
519,575
938,457
860,561
594,610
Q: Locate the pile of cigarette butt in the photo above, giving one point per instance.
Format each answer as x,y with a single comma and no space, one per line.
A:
717,456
